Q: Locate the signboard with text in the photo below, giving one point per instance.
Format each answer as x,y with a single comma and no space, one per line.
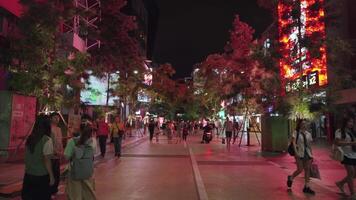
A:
310,80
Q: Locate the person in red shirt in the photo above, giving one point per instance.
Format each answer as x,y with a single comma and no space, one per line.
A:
102,134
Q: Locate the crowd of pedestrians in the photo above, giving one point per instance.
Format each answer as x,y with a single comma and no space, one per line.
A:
44,150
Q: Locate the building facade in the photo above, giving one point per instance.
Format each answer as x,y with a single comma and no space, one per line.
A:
304,32
147,13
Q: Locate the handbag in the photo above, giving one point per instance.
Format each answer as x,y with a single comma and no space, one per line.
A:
291,149
337,153
314,171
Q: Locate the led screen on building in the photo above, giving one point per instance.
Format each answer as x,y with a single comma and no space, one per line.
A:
95,93
301,36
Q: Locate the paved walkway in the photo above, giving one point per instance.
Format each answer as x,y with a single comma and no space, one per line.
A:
12,172
195,171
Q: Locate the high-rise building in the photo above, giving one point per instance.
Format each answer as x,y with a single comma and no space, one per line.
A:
147,13
301,28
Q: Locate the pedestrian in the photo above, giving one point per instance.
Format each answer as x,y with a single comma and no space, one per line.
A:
191,127
236,130
158,132
151,128
217,127
180,127
196,128
57,137
80,152
38,177
302,140
169,131
185,132
129,126
118,131
345,137
229,128
140,128
102,134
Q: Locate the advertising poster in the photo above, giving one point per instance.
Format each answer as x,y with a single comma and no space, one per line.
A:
22,119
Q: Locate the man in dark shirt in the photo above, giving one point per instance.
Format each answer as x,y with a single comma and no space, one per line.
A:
151,128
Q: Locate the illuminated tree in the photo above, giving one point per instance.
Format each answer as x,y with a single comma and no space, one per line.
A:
119,50
233,73
39,62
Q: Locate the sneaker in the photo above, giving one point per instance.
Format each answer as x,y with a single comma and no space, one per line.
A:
307,190
289,181
341,187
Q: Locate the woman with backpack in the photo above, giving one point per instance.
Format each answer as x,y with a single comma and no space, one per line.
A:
80,152
346,139
301,141
39,176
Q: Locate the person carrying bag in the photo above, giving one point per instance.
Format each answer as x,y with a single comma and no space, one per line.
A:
80,152
117,131
301,143
345,147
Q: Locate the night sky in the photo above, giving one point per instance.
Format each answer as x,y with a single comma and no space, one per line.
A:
189,30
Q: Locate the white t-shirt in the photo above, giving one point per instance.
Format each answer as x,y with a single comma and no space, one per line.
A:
300,144
48,148
348,152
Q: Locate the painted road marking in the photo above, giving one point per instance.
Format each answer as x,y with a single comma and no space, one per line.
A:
203,195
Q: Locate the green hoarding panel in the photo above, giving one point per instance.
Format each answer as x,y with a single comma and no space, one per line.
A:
274,133
5,117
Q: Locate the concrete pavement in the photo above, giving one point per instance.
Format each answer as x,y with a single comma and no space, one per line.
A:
12,172
206,171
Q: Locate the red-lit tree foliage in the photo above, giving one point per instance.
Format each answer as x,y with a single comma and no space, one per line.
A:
163,91
119,49
233,72
40,64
